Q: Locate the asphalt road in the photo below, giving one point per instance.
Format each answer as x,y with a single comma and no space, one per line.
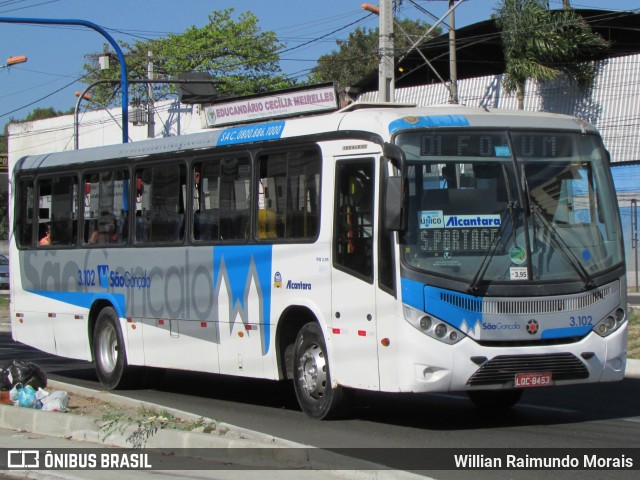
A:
584,416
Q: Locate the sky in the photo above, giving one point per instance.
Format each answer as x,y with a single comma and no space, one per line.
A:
309,28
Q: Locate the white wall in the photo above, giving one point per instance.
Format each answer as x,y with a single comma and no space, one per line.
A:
97,128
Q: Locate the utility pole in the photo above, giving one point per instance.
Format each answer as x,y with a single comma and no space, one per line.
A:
453,69
386,82
151,130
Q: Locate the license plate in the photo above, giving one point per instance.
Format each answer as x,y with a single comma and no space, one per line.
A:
538,379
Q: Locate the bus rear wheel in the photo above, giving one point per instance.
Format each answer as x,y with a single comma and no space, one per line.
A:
312,376
109,352
495,399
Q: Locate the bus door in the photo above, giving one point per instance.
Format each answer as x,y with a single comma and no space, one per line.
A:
353,329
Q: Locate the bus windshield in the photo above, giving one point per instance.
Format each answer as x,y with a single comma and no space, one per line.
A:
518,206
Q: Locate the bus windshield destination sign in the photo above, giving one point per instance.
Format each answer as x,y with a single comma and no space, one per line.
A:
457,233
493,145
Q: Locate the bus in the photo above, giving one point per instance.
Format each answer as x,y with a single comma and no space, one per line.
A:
379,247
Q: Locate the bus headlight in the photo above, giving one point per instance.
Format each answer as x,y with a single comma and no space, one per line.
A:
611,322
441,330
432,326
425,323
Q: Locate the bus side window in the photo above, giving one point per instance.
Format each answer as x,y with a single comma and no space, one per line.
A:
25,213
160,203
57,210
106,206
221,199
288,195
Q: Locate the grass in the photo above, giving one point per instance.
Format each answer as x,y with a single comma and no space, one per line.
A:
146,422
633,345
4,302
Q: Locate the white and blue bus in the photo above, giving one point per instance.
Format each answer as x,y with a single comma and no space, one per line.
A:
379,247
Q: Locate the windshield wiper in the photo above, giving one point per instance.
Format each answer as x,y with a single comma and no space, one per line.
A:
484,265
560,244
512,205
556,239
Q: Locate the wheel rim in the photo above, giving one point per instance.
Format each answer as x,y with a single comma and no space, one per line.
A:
313,372
108,348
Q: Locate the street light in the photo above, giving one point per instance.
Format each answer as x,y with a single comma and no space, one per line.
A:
85,96
15,60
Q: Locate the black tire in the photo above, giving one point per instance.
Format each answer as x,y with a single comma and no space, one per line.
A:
312,376
495,399
109,353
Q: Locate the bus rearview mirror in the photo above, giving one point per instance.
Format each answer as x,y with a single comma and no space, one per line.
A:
394,205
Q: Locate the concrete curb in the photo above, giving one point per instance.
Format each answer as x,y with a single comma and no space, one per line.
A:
233,433
277,453
633,368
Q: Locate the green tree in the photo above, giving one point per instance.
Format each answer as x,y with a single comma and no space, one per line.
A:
357,56
42,113
541,44
236,53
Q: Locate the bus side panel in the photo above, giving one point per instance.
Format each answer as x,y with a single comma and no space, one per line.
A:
242,299
390,323
28,326
48,285
174,308
302,278
180,344
68,326
254,286
133,334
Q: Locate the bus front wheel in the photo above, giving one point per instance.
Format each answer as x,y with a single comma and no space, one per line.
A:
109,351
312,376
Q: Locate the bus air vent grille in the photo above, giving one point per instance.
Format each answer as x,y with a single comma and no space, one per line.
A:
463,302
501,370
510,306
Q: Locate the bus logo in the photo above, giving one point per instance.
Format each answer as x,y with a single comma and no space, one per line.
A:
103,276
277,280
431,219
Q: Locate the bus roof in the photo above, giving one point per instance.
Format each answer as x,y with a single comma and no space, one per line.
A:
379,120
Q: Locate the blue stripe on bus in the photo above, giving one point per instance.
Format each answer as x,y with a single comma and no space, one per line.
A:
86,299
565,332
461,310
430,121
250,133
237,264
412,293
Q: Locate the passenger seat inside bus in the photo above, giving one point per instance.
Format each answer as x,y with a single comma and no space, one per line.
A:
267,223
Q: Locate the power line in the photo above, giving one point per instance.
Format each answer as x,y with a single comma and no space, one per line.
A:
29,6
44,97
